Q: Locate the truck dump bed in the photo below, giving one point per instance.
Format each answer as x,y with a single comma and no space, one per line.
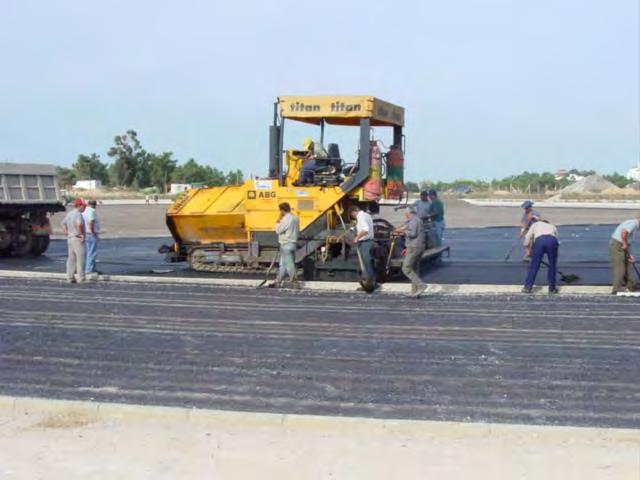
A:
28,184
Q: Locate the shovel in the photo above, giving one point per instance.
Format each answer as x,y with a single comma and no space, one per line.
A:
266,277
566,278
387,267
512,249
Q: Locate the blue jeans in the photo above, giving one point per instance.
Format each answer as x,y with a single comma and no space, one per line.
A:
546,244
364,248
91,244
438,226
287,265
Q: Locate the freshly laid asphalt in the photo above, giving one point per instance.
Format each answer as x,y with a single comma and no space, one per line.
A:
517,359
477,257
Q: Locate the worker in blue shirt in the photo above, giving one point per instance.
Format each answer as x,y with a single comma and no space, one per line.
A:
528,217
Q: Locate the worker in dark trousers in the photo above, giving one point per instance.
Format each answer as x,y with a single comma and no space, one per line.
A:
364,240
413,232
541,239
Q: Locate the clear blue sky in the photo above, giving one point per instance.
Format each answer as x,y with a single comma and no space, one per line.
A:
491,87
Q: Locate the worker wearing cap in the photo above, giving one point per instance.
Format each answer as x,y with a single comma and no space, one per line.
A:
288,230
364,240
73,227
541,239
620,253
413,232
436,214
528,217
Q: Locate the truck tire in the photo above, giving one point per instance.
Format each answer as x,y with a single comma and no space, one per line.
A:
22,250
39,245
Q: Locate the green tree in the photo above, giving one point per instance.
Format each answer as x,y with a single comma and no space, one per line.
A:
412,187
66,177
90,167
161,168
618,180
128,157
234,177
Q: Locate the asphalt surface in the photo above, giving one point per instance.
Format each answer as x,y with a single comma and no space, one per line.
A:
518,359
477,257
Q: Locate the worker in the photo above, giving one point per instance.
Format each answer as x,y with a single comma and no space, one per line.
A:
541,239
92,226
308,169
436,214
422,206
288,230
528,217
74,228
621,256
364,240
413,232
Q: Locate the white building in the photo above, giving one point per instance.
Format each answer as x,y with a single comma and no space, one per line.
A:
634,174
87,185
179,187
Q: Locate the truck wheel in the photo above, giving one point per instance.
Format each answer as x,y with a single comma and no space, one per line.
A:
39,245
24,248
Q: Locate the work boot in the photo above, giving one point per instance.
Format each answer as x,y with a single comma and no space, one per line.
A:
553,291
527,290
420,290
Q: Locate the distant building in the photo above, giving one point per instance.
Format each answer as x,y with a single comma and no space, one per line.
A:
560,174
565,175
179,187
87,185
634,174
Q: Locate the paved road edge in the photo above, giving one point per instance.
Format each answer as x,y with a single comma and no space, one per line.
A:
389,288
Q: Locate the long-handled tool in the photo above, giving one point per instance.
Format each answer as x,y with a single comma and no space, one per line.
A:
566,278
367,284
266,278
512,249
387,267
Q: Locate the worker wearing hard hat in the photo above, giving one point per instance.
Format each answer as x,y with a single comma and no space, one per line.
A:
413,232
528,217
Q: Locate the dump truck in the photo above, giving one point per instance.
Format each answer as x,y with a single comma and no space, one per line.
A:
28,194
230,229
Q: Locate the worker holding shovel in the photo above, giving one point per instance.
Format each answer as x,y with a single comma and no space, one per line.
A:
621,257
364,244
541,239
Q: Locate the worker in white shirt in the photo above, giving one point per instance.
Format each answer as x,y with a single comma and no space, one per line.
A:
288,230
92,226
541,239
364,240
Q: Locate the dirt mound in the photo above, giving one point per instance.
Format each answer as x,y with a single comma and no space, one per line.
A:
593,184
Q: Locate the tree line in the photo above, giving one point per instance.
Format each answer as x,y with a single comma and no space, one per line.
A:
132,166
524,182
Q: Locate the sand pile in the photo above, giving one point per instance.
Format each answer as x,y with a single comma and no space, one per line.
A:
593,184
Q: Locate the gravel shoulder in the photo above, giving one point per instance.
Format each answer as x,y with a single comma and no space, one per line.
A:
73,440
